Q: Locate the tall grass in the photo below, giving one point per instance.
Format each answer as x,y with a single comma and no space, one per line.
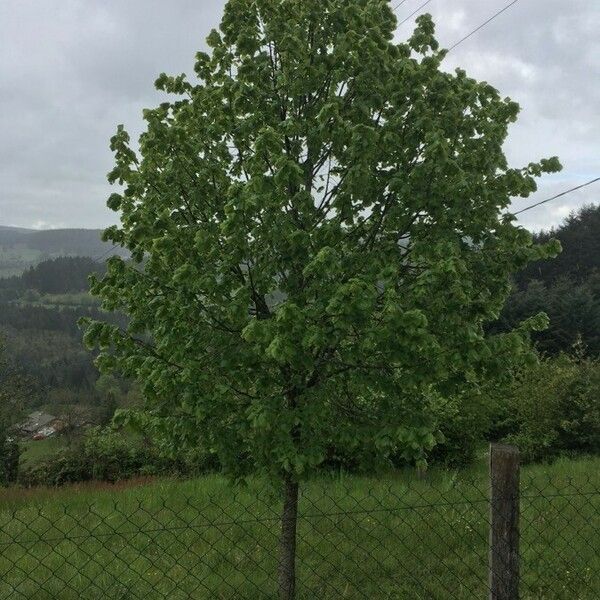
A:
396,536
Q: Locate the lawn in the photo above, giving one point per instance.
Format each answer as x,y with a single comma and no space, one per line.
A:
396,536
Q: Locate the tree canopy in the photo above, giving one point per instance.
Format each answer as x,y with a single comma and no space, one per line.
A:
317,221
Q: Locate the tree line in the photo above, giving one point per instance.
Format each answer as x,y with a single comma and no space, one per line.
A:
43,342
60,275
567,287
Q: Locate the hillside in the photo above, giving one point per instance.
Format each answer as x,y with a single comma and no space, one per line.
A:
22,248
579,260
566,288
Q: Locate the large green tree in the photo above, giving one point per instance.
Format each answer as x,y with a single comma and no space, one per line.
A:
318,240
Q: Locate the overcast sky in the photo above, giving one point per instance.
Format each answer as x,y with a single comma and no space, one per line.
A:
71,70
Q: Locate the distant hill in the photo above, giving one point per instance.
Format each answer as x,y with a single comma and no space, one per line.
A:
11,235
22,248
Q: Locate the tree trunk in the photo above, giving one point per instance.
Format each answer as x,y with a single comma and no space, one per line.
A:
287,545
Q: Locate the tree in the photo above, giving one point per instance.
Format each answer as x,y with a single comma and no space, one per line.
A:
317,241
15,390
573,310
579,236
567,289
109,389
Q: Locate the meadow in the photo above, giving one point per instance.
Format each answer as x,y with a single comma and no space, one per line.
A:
394,536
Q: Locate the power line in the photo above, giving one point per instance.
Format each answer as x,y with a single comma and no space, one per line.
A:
569,191
483,24
412,14
398,5
466,37
104,254
557,196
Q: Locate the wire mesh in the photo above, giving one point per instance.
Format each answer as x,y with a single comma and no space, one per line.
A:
357,538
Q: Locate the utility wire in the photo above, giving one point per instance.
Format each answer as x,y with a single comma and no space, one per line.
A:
483,24
583,185
557,196
104,254
412,14
466,37
398,5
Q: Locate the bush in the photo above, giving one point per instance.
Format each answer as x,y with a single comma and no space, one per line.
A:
553,409
105,454
464,423
10,452
459,426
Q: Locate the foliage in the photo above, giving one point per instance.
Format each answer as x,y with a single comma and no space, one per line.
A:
105,454
10,453
317,223
579,236
464,424
567,289
43,340
14,391
573,310
58,275
554,408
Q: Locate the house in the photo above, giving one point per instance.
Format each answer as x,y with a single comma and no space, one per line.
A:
39,425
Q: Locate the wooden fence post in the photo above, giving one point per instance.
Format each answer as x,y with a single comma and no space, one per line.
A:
504,523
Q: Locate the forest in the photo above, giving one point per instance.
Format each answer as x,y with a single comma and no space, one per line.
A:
566,288
41,340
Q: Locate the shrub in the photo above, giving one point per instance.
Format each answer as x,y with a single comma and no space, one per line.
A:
10,452
464,423
554,409
106,454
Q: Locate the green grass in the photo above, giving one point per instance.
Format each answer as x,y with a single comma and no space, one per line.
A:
392,537
75,300
8,271
34,451
58,301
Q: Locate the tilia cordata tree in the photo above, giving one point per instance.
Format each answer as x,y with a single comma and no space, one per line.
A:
318,240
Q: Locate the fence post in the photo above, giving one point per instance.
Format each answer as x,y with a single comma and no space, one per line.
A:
504,523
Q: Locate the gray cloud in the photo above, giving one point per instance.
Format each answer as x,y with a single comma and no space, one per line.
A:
70,70
543,54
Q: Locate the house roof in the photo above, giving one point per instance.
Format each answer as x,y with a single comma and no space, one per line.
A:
35,421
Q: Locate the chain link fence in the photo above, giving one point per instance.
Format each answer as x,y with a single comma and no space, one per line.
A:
357,538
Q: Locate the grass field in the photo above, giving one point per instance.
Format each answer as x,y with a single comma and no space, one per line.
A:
34,451
391,537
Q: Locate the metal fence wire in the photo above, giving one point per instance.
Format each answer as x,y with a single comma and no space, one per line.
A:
357,538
